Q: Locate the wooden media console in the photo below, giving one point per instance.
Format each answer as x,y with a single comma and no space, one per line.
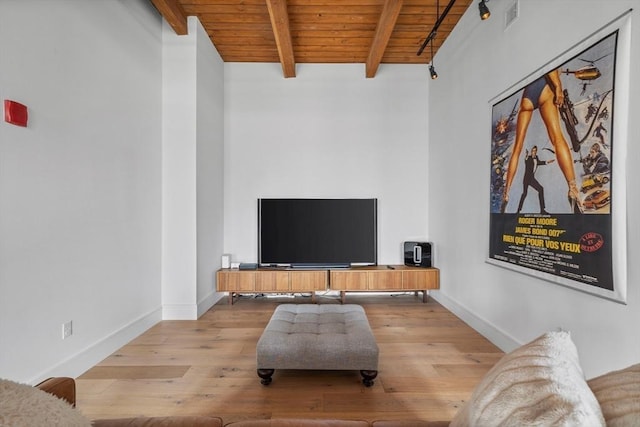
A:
381,278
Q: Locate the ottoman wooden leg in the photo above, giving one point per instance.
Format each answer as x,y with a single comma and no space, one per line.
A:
368,377
265,376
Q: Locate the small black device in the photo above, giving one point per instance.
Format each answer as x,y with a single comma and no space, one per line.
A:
417,254
248,266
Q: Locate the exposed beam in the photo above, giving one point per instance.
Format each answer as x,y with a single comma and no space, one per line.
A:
280,24
173,14
388,18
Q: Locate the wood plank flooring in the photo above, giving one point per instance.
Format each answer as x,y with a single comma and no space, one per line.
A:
429,363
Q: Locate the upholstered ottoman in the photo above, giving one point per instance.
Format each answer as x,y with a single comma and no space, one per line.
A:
314,336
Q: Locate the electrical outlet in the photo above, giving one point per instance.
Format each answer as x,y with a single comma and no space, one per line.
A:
67,329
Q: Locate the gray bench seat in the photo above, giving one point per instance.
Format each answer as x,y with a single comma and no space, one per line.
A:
313,336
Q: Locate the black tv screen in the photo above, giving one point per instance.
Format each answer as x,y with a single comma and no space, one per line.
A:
317,232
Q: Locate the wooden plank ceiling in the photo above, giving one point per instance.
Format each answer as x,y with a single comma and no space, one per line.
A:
372,32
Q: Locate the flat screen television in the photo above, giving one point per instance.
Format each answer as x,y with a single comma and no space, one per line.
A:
314,233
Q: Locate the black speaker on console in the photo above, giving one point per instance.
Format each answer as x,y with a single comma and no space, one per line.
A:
417,254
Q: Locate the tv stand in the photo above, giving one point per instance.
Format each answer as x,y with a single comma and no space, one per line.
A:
271,280
385,278
378,278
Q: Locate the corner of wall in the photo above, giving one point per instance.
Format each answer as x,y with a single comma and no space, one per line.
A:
498,337
208,301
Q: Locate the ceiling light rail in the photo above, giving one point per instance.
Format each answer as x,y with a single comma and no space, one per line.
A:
484,14
434,30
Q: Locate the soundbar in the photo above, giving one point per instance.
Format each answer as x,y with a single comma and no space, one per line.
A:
248,266
319,266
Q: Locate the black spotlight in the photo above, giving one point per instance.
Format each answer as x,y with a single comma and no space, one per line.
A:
485,13
432,71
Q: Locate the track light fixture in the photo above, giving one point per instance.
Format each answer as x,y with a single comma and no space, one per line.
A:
485,13
433,73
432,35
432,69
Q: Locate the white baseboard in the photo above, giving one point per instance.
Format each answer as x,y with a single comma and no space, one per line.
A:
179,312
499,338
190,311
208,301
79,363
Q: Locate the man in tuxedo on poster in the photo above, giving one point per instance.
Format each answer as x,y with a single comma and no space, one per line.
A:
531,163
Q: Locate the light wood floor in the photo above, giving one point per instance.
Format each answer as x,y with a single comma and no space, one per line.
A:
429,363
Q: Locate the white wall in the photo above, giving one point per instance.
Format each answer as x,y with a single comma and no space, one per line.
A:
209,167
329,132
86,188
179,217
477,63
80,186
193,112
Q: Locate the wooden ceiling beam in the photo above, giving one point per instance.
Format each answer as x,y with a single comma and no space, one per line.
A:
280,23
174,14
290,32
388,17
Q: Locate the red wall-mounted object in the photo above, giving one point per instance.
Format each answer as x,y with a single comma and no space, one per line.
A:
15,113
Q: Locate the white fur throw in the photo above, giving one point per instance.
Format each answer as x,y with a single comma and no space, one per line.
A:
540,383
22,405
619,395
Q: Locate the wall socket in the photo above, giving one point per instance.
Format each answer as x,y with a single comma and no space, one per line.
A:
67,329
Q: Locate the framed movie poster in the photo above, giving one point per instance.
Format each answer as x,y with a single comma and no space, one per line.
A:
558,143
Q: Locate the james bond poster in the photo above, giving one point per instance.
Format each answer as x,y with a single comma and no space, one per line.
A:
552,163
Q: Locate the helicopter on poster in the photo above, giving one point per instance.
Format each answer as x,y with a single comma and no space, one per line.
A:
588,72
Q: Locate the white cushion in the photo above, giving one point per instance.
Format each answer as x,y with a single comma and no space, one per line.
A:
539,383
22,405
